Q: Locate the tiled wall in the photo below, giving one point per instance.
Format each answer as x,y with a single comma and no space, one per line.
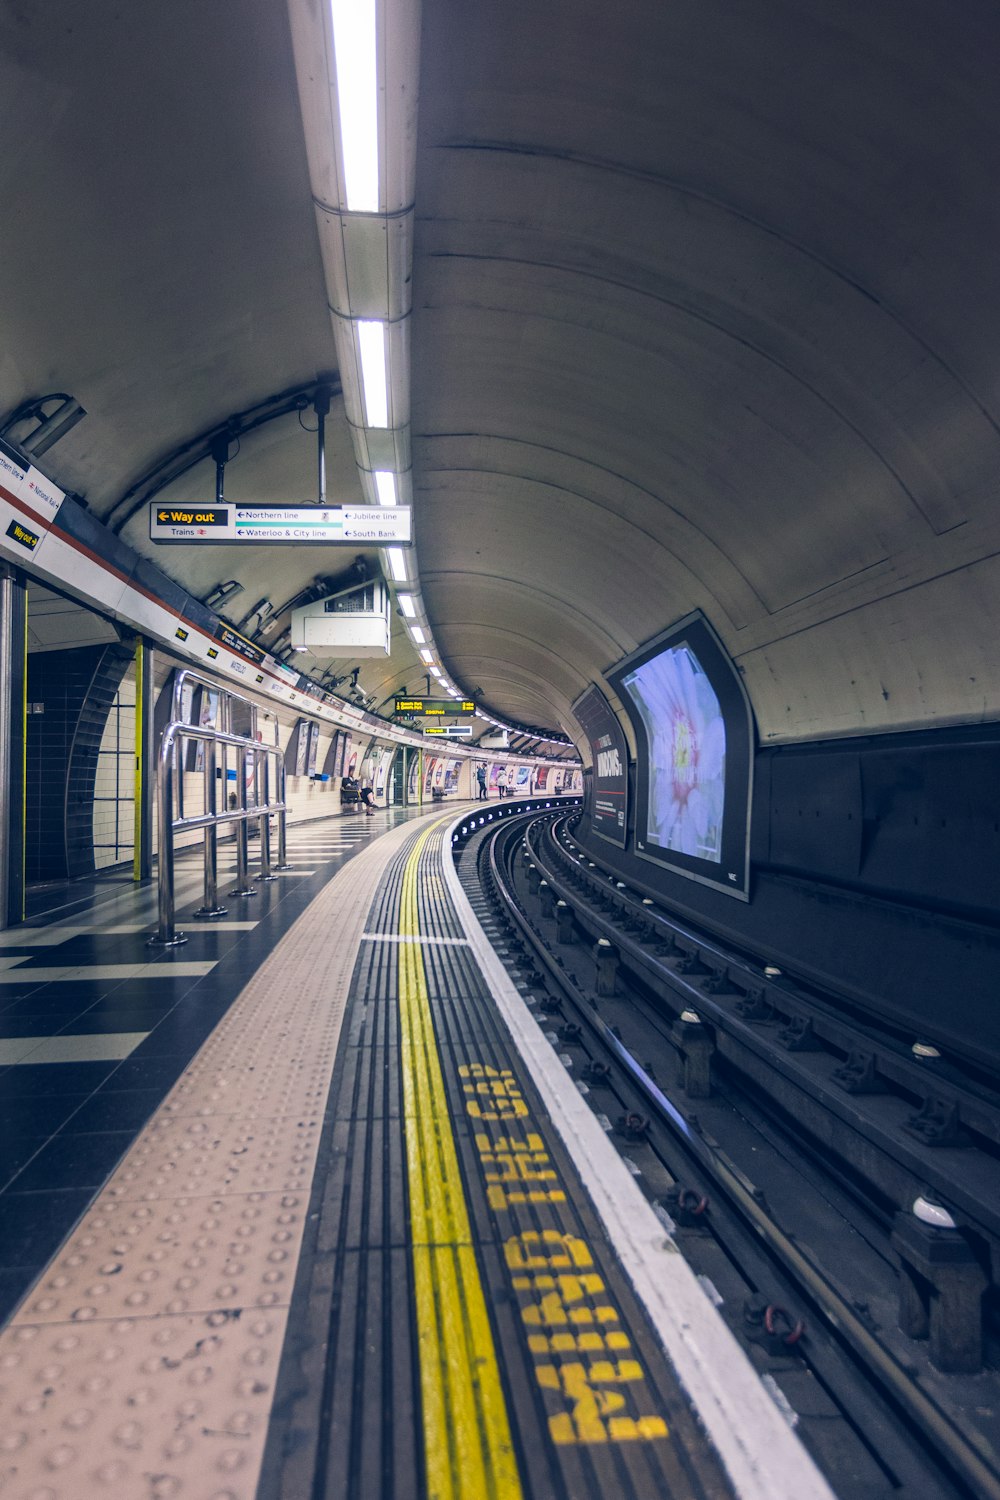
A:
74,690
114,783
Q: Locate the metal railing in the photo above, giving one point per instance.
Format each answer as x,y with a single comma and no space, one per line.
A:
260,793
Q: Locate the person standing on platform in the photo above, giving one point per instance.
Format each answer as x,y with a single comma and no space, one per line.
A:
481,778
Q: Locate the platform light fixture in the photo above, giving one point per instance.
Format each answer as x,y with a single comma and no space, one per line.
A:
362,172
371,347
357,98
408,605
427,656
419,634
385,486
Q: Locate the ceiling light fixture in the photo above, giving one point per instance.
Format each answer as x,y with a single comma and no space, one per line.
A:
397,563
357,97
427,656
407,604
371,347
385,486
419,634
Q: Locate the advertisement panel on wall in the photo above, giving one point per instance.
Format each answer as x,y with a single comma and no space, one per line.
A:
609,755
382,771
694,737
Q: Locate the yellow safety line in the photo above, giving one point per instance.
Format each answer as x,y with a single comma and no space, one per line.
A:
467,1443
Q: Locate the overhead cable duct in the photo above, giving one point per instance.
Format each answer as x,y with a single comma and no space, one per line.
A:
184,457
51,426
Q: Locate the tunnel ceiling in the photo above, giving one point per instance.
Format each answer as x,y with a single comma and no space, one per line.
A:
705,316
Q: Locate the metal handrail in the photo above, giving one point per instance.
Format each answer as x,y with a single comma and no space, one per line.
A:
227,696
175,735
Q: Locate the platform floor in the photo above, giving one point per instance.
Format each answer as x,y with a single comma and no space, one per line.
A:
333,1225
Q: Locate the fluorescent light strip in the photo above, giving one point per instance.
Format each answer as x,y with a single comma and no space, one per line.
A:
385,485
419,634
436,672
397,563
407,604
427,656
371,347
357,96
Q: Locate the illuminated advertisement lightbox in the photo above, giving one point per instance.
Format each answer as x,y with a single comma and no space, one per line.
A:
694,766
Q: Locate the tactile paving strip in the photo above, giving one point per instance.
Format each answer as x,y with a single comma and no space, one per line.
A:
221,1154
148,1409
184,1255
143,1362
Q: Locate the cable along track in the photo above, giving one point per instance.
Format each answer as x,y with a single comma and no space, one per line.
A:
772,1160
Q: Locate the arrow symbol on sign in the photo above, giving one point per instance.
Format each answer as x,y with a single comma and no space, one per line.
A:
162,515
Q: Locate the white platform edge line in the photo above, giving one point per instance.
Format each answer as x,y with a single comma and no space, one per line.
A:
761,1455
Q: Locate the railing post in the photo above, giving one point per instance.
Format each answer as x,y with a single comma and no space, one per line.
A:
212,907
166,936
282,816
243,885
264,768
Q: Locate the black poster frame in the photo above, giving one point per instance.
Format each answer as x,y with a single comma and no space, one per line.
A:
594,713
731,873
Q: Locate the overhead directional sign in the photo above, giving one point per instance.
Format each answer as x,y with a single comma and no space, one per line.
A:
281,525
436,707
453,731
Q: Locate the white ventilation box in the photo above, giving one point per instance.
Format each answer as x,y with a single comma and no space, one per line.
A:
354,623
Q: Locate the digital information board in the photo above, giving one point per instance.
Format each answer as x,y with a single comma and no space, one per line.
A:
609,754
281,525
436,707
453,731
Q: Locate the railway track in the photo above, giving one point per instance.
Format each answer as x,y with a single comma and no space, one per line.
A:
784,1140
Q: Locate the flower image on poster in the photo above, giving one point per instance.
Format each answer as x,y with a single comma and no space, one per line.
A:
687,739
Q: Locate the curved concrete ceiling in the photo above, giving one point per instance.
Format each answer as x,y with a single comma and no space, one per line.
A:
705,310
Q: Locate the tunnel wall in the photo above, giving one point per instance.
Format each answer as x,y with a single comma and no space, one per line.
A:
875,869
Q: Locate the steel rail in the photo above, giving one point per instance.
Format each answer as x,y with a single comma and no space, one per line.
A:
965,1459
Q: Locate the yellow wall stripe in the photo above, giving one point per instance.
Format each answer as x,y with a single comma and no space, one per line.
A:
467,1441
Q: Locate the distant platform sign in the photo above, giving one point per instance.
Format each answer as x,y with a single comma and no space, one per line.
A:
281,525
452,708
453,731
